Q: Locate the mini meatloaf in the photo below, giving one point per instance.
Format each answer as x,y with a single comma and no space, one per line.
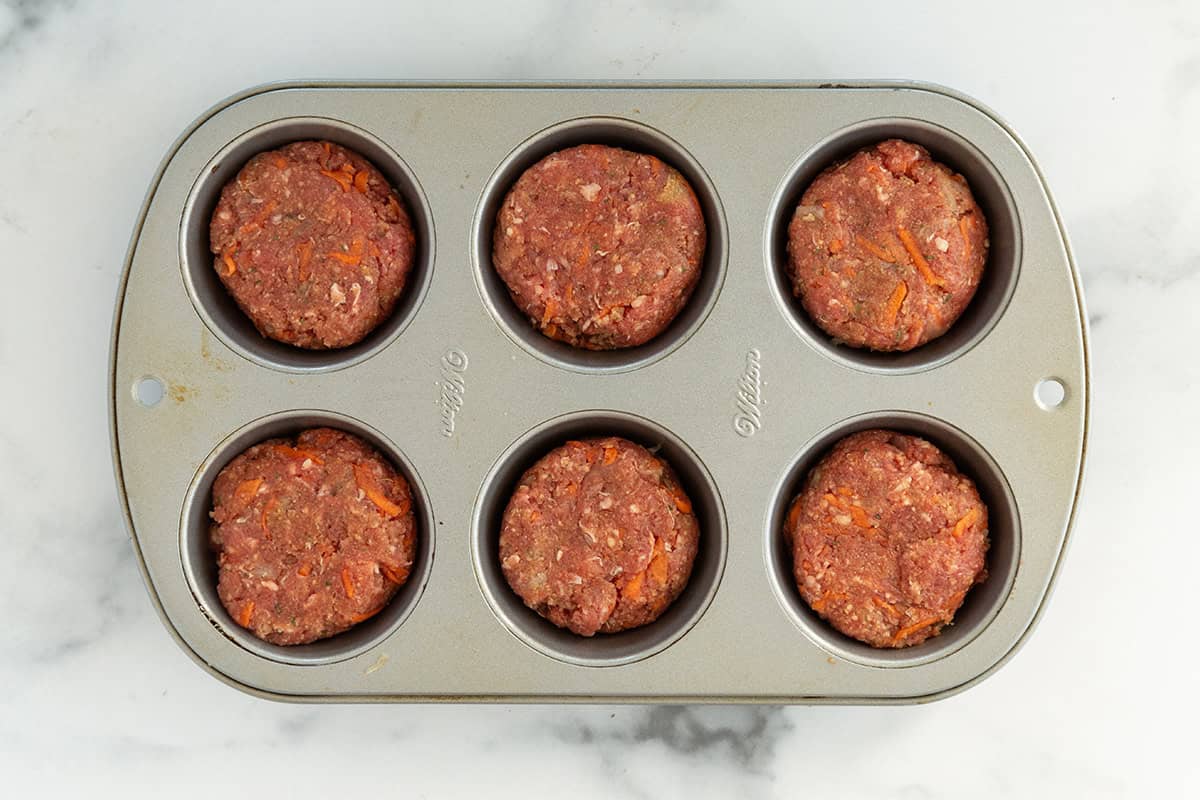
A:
888,537
886,249
313,535
313,244
599,246
599,536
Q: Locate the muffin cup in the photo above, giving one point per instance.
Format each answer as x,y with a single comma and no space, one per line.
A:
1000,273
603,649
199,561
217,307
614,132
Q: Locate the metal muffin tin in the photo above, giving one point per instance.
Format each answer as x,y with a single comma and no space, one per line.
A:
742,393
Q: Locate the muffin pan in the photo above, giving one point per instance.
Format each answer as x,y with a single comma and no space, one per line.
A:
742,393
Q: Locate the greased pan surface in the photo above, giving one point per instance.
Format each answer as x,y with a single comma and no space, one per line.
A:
742,393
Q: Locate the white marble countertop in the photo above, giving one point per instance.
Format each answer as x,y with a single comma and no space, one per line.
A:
1100,703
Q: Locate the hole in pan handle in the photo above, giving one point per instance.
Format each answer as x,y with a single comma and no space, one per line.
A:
148,391
1050,393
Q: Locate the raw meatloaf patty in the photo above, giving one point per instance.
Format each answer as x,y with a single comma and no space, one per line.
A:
886,249
599,246
887,538
599,536
313,244
312,535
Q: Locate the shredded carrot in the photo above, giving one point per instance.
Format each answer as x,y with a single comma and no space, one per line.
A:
534,516
658,564
860,518
874,249
570,292
374,250
305,570
857,513
610,455
342,178
347,582
910,244
280,162
551,330
572,488
632,589
682,502
905,632
895,302
968,519
835,246
825,599
658,569
551,310
354,257
963,224
311,455
298,453
304,252
328,150
366,482
845,491
357,618
260,218
230,264
245,492
396,575
879,601
360,182
793,515
244,615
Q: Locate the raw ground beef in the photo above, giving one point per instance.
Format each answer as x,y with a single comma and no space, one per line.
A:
600,247
887,248
599,536
313,244
887,538
313,535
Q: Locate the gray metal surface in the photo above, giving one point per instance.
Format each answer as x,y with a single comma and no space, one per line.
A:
742,393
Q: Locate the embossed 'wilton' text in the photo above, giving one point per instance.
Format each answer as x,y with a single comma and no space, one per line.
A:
454,388
748,419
